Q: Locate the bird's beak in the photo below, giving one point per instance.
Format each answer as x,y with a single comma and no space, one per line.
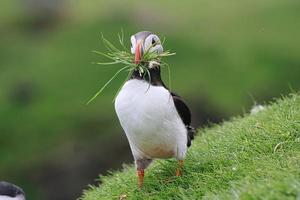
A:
138,53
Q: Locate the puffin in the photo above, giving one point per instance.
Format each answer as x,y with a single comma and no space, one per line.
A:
156,121
9,191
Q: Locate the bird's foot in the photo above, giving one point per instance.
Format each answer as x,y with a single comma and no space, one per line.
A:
141,174
179,168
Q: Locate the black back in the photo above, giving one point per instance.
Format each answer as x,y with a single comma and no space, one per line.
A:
10,190
185,114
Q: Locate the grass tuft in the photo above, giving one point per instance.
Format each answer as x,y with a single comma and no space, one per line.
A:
124,57
254,157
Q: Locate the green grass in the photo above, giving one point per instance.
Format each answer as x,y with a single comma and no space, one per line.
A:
251,157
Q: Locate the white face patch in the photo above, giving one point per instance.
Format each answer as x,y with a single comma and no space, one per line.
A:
152,44
133,43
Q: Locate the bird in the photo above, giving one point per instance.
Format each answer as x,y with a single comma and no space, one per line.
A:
9,191
156,121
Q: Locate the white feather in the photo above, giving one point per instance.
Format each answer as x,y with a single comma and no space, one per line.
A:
150,120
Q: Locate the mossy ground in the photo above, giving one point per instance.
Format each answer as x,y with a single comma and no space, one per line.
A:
251,157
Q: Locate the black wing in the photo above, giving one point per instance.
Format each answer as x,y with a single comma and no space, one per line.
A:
185,114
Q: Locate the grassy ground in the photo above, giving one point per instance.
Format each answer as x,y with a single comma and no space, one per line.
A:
254,157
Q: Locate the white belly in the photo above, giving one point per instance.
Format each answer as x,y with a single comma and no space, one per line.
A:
150,120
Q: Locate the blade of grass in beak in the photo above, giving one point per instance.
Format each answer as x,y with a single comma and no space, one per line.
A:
169,74
106,84
166,54
106,63
127,77
121,39
109,45
104,54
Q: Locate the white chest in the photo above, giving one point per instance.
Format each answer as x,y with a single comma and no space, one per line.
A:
150,120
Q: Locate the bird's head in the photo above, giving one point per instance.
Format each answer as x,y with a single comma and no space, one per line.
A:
143,42
11,191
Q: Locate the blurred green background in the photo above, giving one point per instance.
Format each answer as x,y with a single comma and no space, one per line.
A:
230,54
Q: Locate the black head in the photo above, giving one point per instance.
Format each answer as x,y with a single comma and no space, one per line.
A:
11,190
144,41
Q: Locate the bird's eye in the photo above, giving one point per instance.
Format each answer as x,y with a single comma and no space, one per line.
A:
153,41
152,44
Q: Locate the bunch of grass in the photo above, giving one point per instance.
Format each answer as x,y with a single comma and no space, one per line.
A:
124,57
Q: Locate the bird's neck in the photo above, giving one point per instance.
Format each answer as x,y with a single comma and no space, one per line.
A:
155,77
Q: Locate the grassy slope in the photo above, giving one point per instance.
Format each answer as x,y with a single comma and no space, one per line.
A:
255,157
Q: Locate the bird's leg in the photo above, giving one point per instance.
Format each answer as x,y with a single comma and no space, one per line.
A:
141,165
179,168
141,174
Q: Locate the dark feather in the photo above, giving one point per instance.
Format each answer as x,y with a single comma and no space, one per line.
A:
185,114
11,190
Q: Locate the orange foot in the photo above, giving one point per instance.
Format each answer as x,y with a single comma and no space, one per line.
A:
140,178
179,168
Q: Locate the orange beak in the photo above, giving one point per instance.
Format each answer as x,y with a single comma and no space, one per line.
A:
138,53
